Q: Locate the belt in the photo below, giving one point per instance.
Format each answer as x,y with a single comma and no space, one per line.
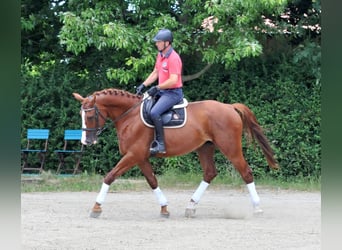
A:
171,88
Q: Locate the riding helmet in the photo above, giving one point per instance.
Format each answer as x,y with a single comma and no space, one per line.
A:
164,35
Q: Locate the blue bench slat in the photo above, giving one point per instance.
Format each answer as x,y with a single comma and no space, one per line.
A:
71,134
38,133
33,150
75,134
31,147
68,151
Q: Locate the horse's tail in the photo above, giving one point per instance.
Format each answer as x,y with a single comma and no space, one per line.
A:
254,131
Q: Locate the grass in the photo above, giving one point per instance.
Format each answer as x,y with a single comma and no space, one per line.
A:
48,182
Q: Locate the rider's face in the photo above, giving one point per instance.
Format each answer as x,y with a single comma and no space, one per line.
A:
161,45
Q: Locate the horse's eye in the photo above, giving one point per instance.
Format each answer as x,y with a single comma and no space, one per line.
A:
90,118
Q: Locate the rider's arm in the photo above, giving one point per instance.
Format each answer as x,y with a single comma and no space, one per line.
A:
151,78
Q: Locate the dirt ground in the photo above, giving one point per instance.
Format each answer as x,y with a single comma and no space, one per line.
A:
130,220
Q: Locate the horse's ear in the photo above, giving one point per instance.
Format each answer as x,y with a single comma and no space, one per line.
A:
92,99
78,97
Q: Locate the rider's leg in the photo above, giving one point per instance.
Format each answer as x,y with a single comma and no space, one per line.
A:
160,145
164,103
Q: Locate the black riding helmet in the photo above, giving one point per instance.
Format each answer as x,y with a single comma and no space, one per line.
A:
163,35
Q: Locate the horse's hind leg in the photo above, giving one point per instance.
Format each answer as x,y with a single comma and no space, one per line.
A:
235,155
151,179
206,157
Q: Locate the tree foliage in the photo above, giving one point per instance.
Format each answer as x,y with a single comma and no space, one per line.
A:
214,32
263,53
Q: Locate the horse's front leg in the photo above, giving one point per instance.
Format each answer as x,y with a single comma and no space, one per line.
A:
206,157
123,166
146,169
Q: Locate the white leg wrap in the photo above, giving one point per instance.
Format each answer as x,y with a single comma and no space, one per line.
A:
160,196
199,191
103,192
254,195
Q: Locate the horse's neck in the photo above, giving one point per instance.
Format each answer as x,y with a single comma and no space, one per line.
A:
117,104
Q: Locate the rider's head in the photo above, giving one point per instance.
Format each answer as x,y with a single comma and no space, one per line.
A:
163,39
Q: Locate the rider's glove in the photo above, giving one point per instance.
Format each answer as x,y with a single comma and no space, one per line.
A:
153,91
140,89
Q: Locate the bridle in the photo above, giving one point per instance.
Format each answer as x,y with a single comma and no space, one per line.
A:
98,130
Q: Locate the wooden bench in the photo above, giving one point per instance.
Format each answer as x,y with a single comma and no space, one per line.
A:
37,143
73,148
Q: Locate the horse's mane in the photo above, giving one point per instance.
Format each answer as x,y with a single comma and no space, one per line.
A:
116,92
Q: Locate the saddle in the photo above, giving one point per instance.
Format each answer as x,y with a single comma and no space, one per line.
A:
172,118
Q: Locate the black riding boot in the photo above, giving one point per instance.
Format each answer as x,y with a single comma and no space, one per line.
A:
158,145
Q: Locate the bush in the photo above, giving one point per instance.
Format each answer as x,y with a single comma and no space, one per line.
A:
284,97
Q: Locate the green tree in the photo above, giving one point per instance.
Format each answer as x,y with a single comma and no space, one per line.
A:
206,31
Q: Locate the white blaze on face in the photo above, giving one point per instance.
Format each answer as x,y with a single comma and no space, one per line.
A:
83,139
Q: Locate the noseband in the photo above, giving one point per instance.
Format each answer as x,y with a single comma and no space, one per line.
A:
98,130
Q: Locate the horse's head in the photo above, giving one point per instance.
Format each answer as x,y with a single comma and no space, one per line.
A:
92,119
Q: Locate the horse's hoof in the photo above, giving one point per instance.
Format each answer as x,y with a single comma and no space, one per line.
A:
163,212
258,211
95,212
165,215
190,212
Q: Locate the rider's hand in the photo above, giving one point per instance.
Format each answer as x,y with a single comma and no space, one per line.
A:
140,89
153,91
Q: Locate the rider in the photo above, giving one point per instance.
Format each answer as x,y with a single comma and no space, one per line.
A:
168,71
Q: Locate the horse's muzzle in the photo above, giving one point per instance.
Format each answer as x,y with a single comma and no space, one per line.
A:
89,140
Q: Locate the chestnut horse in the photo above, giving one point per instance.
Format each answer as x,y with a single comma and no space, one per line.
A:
210,125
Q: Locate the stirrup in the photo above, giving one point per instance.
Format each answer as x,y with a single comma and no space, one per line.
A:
157,147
